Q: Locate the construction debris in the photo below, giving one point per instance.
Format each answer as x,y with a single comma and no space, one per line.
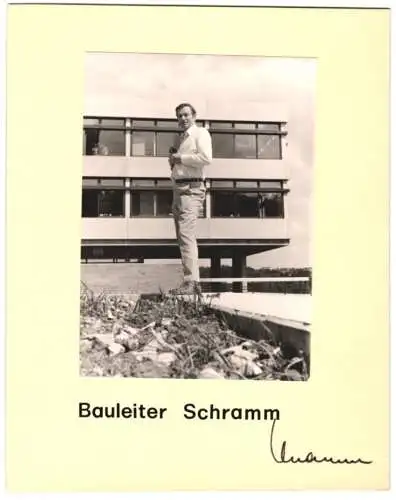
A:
171,338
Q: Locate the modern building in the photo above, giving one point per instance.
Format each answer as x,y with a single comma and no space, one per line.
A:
126,190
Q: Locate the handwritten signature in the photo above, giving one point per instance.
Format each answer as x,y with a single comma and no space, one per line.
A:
309,457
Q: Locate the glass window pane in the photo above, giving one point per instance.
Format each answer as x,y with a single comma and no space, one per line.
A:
91,141
245,125
246,184
143,203
270,184
113,122
91,121
143,123
222,184
164,203
222,145
245,146
111,142
246,204
143,182
143,143
268,146
89,203
220,124
271,205
111,203
165,140
112,182
269,127
90,181
164,182
223,204
168,123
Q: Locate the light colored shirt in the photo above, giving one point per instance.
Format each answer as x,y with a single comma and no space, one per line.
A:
195,150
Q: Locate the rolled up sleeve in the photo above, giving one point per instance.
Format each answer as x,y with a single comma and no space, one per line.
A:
203,155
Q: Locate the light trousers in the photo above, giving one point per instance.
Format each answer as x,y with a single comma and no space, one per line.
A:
187,204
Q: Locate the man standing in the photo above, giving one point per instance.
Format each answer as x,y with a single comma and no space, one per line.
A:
187,161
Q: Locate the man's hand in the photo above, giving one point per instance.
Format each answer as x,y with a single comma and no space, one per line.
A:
175,159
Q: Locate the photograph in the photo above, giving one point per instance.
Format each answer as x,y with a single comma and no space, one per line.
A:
196,216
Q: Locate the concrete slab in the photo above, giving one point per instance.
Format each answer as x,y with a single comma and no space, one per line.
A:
283,319
294,308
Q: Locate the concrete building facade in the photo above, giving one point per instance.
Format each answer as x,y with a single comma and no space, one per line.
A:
127,196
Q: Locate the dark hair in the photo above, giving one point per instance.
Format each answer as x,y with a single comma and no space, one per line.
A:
183,105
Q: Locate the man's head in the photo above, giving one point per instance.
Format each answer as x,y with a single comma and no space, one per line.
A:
186,115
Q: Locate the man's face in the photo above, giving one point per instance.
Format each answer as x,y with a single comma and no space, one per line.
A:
185,117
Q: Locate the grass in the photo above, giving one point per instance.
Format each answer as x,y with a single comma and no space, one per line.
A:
167,337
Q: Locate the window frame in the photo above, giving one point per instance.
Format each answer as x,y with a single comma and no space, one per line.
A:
282,191
129,127
156,188
99,192
256,131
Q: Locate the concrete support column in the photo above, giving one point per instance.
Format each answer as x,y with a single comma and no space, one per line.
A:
239,271
215,272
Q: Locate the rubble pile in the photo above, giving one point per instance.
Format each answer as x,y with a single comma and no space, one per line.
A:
167,337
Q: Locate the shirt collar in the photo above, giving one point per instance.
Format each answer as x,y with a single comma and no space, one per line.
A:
190,129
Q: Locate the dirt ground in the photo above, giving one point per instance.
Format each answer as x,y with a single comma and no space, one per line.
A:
104,277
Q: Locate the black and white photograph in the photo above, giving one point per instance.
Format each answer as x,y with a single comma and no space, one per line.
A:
196,216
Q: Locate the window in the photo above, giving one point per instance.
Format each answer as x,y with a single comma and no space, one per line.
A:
271,184
167,123
269,127
152,198
164,203
222,145
143,143
151,137
103,197
217,125
246,184
165,140
102,203
268,146
271,205
246,140
245,146
104,136
247,198
222,184
245,125
143,203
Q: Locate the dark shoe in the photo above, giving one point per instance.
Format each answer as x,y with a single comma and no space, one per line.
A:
187,288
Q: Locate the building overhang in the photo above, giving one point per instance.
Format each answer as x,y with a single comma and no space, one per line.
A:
169,249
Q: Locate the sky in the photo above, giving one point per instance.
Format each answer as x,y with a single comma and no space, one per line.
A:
120,79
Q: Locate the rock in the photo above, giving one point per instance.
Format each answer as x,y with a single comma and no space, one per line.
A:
97,370
117,328
237,363
244,366
110,315
115,348
210,372
252,369
238,351
130,330
166,321
166,358
85,345
104,338
122,338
